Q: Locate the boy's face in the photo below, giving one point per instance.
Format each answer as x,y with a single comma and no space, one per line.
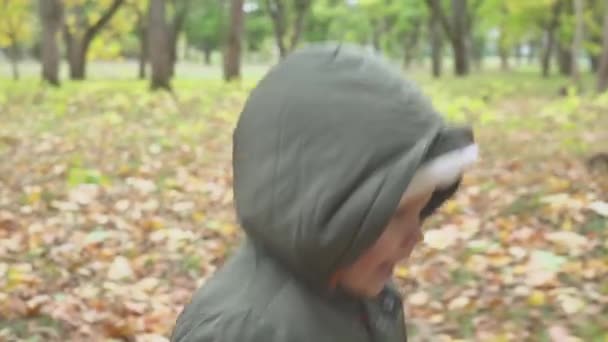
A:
370,272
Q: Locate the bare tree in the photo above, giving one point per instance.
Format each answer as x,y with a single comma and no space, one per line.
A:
78,44
232,50
160,58
51,17
602,76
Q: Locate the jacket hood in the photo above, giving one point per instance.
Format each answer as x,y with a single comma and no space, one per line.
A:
325,147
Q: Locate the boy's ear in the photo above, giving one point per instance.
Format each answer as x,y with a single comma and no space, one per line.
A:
438,198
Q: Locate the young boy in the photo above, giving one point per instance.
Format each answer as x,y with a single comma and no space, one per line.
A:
337,162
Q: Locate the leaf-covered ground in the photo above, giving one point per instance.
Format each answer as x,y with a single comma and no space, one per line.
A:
116,204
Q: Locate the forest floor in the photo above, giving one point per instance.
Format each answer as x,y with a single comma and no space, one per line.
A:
116,204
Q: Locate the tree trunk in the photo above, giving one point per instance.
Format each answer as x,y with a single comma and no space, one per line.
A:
461,57
301,7
410,44
532,48
577,42
594,62
174,31
76,57
232,54
550,39
503,52
564,60
143,50
477,51
51,17
436,45
602,76
518,55
159,53
376,34
172,51
78,45
457,31
459,41
14,57
504,58
207,50
276,9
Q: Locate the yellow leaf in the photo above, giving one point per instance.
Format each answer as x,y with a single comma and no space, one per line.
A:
228,229
537,298
450,207
500,338
198,217
33,197
401,272
567,225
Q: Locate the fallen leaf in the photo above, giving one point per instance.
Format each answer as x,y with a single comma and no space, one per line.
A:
401,272
559,333
600,208
419,298
459,303
537,298
120,269
571,241
441,238
84,194
570,304
151,338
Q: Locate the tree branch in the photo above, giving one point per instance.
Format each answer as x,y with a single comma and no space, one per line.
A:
107,15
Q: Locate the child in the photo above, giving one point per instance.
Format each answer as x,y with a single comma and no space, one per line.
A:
337,162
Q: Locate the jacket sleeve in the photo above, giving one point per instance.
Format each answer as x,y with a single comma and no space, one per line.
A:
238,327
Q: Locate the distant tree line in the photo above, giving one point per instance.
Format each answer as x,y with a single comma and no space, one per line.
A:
554,34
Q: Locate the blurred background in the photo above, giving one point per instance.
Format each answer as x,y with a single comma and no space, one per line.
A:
116,121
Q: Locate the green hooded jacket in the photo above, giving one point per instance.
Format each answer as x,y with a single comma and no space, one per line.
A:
324,148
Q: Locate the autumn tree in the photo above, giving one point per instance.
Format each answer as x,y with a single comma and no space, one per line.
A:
160,56
232,49
51,17
83,22
14,29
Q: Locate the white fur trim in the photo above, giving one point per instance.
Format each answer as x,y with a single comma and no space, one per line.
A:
442,171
